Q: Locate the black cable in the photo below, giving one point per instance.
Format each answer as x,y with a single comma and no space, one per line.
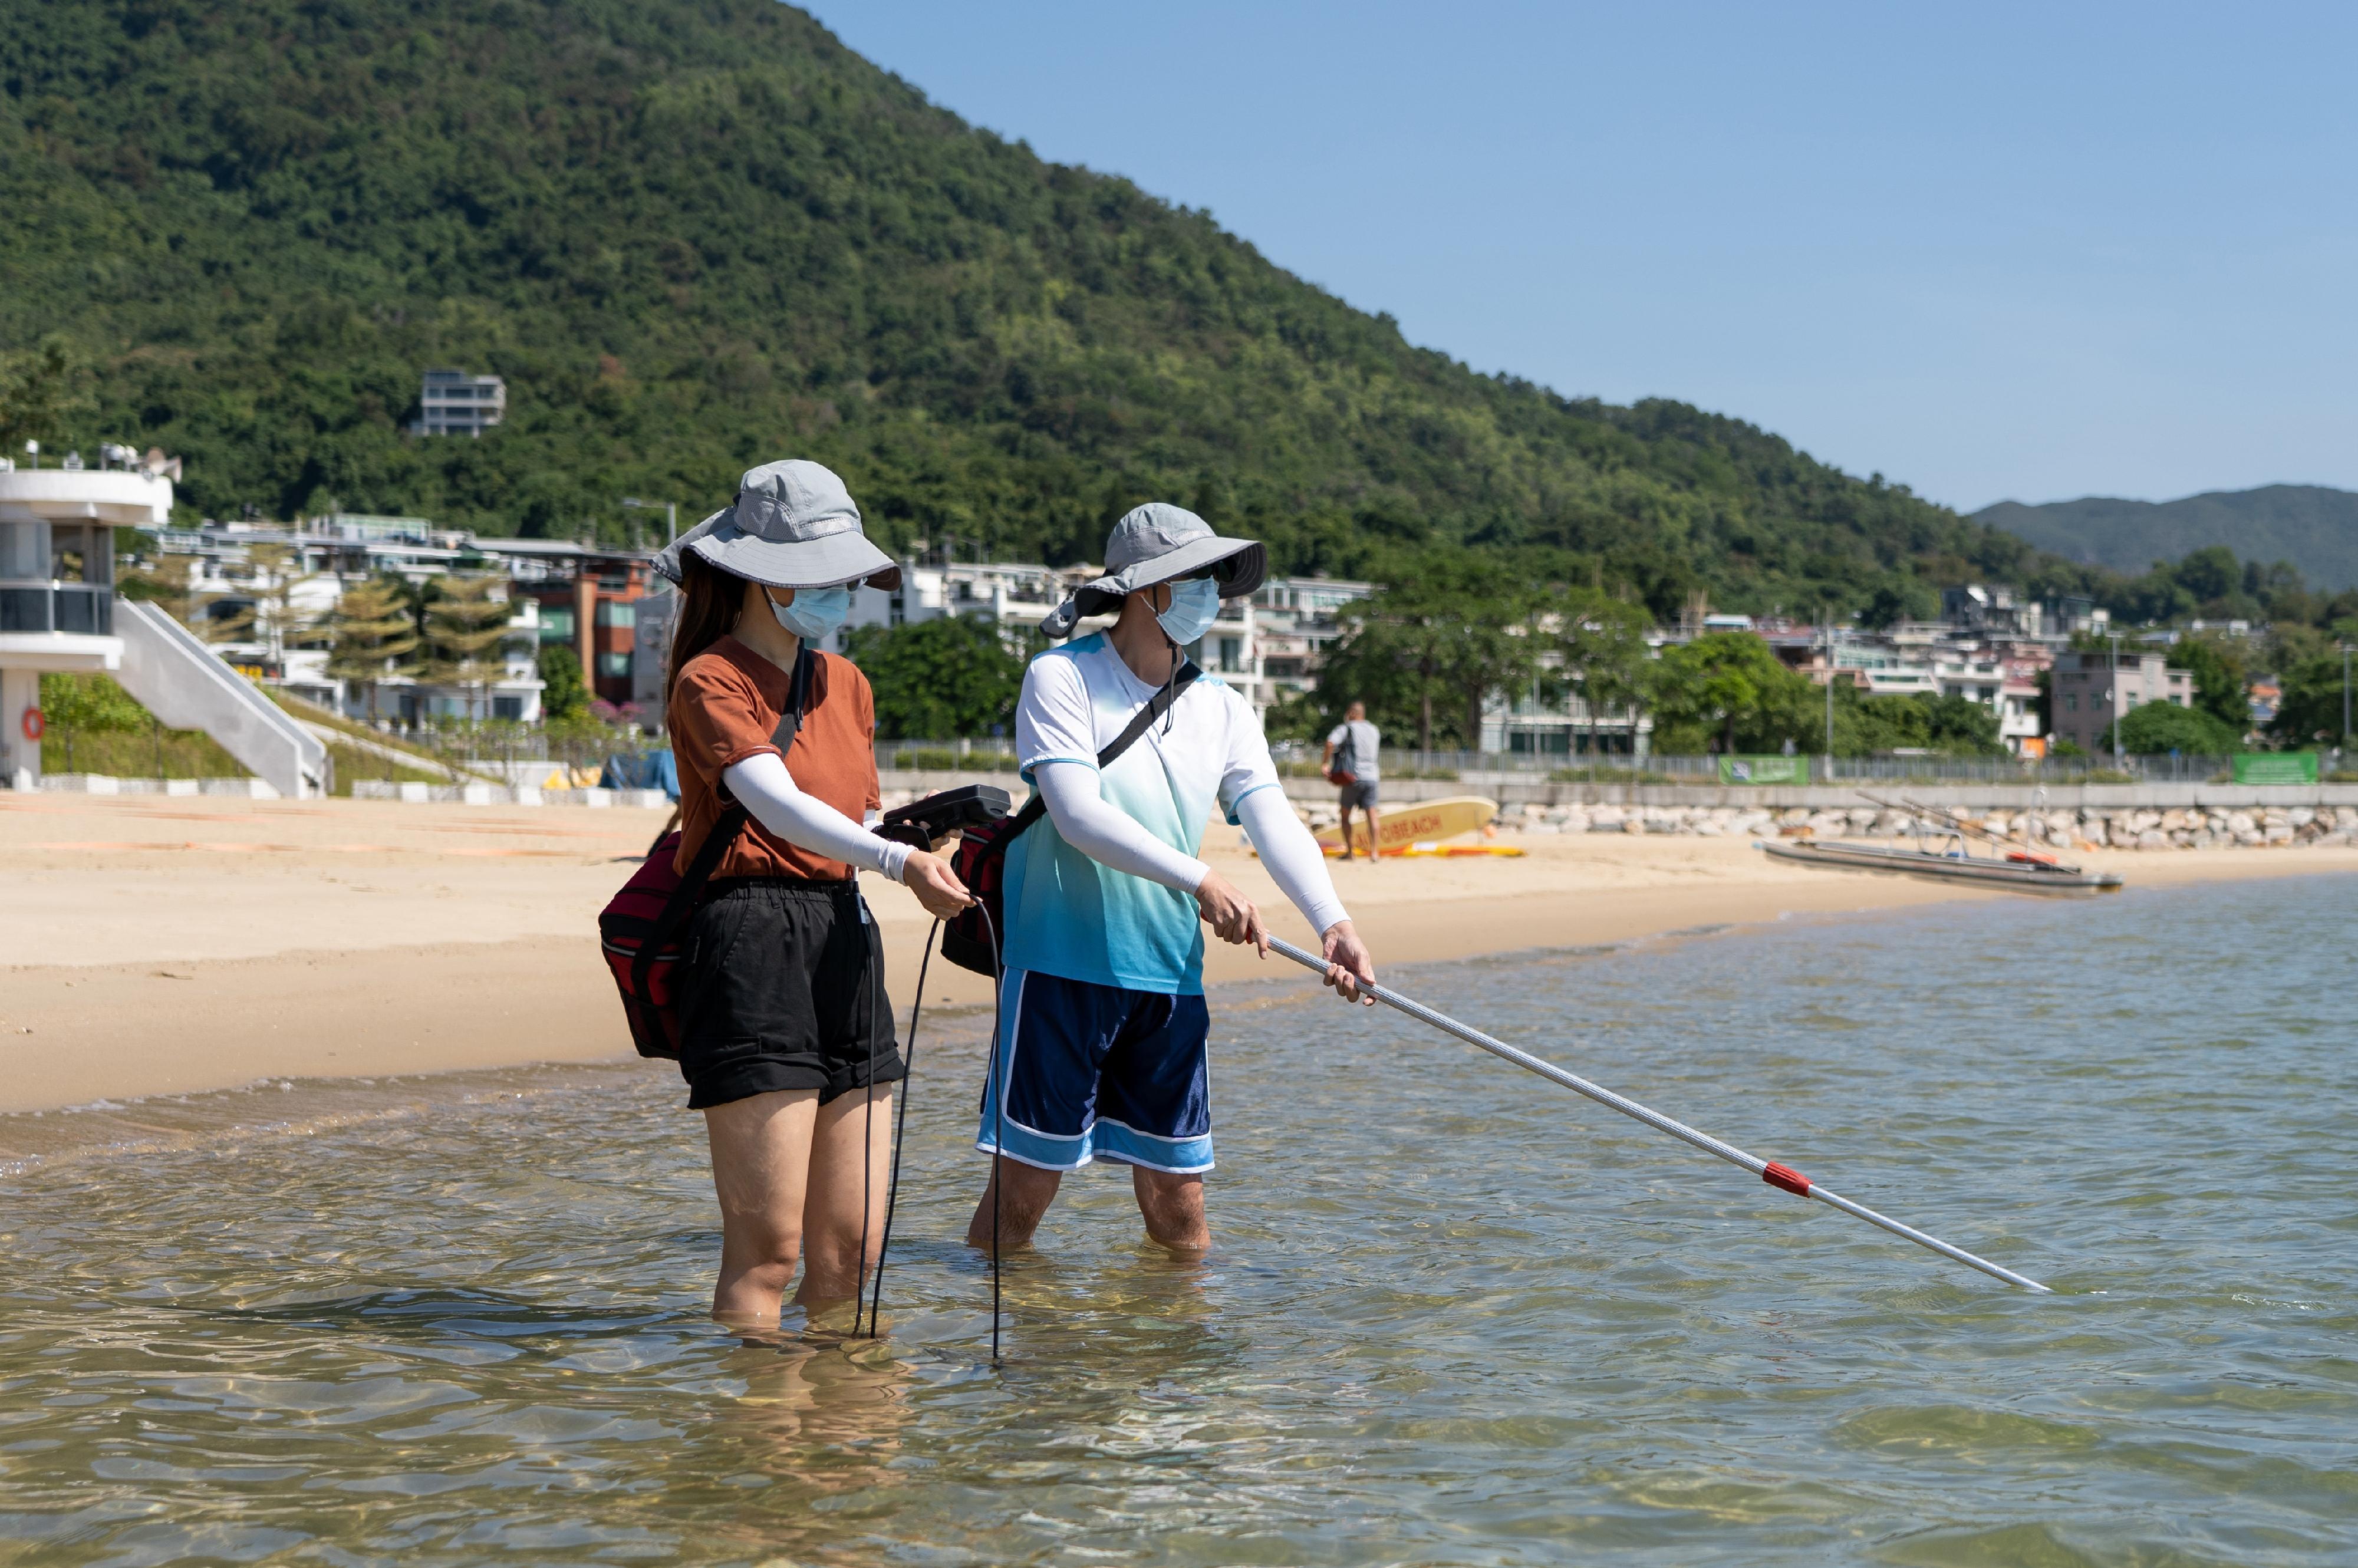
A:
998,1121
900,1135
867,1118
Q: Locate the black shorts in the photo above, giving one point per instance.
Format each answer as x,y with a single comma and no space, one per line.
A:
784,990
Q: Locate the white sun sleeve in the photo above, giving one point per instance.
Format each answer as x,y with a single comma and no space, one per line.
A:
1292,856
1106,834
769,795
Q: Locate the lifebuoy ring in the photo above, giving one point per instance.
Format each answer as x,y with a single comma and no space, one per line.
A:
34,725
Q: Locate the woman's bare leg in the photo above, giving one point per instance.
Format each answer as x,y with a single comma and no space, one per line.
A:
760,1156
841,1203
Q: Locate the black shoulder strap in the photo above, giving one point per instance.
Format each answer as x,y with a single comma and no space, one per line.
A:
724,831
1139,723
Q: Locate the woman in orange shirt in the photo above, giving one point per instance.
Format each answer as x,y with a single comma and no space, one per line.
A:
783,1009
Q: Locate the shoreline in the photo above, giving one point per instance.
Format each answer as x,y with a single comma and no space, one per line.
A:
173,945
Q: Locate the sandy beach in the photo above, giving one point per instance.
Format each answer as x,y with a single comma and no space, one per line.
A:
165,945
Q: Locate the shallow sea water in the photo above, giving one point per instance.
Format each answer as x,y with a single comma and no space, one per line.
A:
1456,1314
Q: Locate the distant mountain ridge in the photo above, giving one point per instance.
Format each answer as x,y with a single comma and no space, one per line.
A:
2314,527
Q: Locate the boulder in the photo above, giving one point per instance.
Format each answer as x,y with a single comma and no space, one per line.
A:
2153,838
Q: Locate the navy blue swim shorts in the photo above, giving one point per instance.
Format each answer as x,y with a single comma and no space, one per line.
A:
1090,1072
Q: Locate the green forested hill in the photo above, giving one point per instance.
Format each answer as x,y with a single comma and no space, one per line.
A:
695,234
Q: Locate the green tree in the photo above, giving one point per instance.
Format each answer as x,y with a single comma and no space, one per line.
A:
2152,728
1429,651
466,621
1297,716
280,621
949,679
2221,679
1599,644
371,638
1722,687
91,704
2310,710
1961,727
43,391
563,694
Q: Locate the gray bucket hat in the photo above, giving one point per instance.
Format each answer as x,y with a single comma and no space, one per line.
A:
1159,543
793,525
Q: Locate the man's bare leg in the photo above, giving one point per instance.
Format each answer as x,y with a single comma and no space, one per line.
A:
1172,1207
1029,1191
1347,833
1368,811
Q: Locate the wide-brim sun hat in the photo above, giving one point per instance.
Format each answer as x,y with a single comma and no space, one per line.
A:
1162,543
793,524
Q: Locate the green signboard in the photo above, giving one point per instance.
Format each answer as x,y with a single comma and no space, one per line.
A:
2276,767
1764,770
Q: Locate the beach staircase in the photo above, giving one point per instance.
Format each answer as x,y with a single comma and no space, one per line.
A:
185,684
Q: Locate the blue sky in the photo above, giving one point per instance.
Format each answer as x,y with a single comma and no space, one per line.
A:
1991,252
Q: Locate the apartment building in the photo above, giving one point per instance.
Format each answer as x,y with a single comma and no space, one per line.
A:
1294,620
1018,597
453,403
589,598
2094,690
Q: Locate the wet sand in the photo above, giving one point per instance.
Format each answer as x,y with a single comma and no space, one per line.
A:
163,945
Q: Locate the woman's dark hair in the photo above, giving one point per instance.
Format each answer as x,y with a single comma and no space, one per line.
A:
709,601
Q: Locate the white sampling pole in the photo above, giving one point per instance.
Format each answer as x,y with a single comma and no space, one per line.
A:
1768,1171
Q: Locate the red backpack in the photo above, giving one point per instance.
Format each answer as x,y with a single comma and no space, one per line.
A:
971,938
640,926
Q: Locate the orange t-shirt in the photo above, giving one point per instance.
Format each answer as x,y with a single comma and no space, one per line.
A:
724,709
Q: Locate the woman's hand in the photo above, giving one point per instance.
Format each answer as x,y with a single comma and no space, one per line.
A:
1348,962
936,885
1229,913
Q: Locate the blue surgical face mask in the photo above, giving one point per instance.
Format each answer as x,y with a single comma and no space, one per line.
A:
1194,605
815,613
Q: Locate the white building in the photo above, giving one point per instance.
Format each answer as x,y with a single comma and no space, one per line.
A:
57,586
287,583
59,613
452,403
1018,597
1294,620
2008,687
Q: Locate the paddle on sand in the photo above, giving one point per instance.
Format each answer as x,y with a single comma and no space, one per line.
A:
1768,1171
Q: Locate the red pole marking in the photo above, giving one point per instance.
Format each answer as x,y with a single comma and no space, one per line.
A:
1786,1177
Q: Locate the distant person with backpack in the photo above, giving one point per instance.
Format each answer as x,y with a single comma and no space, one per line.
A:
1099,1053
785,1032
1350,766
